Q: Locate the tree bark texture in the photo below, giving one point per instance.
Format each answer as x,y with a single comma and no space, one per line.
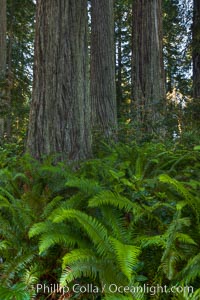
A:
147,65
119,95
196,50
60,109
103,87
2,61
2,38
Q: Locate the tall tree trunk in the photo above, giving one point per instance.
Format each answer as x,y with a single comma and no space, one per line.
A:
103,87
196,50
60,109
148,70
2,62
119,95
10,74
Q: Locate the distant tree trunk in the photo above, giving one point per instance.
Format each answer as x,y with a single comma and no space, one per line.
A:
2,61
10,74
119,73
60,109
148,70
196,50
103,87
119,95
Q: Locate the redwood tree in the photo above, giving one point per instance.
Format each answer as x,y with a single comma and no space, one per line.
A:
2,62
196,49
60,110
103,88
147,65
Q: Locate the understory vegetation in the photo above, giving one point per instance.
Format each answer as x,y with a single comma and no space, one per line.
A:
129,217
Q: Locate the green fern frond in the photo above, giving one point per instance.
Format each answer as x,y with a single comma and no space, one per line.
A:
61,235
51,206
173,237
52,234
177,225
156,240
169,262
185,239
192,270
4,202
78,255
116,200
95,230
127,256
113,219
139,166
17,291
87,186
20,176
87,268
196,295
117,174
40,228
179,187
16,264
163,205
6,194
31,275
93,267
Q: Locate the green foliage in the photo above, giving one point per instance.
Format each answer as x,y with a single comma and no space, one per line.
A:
26,188
20,41
128,217
16,292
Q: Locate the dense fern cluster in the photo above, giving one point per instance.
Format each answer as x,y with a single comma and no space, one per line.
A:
130,217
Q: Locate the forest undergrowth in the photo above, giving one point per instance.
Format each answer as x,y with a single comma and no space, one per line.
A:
124,225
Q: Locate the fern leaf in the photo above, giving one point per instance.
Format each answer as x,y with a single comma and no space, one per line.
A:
87,186
157,240
116,200
80,256
8,195
178,186
185,238
114,221
192,270
89,267
4,202
17,291
127,256
60,237
96,231
40,228
51,206
192,201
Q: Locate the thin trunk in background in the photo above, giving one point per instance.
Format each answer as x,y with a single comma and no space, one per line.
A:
2,64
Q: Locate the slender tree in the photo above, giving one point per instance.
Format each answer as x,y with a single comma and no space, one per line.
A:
2,61
196,49
103,88
123,27
60,110
147,69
